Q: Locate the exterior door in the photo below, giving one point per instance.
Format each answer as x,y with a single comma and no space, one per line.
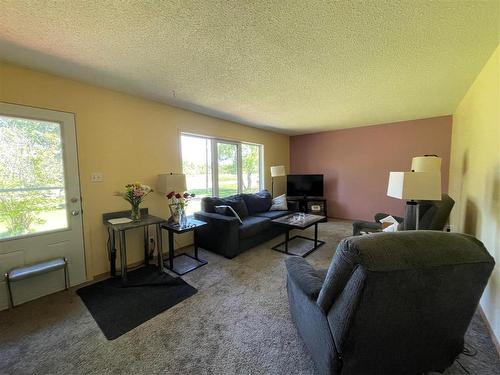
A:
40,204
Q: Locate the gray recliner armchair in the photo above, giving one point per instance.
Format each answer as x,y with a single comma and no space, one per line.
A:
391,303
433,215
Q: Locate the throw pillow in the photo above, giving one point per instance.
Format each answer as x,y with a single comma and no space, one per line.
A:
227,211
208,203
258,202
279,204
238,205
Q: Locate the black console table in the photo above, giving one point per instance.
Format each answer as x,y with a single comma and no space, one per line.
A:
145,221
306,205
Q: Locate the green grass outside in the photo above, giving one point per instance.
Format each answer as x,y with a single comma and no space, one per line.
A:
227,187
223,191
52,220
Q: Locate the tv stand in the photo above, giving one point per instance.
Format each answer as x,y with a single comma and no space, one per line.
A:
306,205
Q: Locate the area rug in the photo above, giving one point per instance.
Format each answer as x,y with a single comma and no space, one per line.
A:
118,309
237,323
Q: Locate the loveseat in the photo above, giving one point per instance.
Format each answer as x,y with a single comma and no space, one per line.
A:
225,235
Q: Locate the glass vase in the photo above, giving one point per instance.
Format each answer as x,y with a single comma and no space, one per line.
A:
174,214
183,217
135,214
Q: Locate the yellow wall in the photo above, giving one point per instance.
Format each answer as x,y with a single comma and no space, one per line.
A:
128,139
475,173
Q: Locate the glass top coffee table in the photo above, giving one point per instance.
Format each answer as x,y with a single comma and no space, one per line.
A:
299,221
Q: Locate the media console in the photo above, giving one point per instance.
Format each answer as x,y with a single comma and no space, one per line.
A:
308,205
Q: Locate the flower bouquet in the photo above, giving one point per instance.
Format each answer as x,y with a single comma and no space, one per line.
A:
178,204
135,194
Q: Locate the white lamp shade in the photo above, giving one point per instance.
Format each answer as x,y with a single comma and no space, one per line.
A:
415,185
169,182
278,171
426,164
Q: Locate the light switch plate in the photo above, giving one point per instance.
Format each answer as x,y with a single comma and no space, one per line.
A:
97,177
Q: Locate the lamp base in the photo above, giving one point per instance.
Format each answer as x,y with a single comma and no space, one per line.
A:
411,221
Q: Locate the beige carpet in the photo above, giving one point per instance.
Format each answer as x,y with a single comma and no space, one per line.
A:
238,322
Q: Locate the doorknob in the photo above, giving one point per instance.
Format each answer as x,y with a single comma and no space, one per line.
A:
75,212
74,200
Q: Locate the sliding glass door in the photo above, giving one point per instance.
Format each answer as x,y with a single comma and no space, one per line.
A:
251,168
216,167
227,181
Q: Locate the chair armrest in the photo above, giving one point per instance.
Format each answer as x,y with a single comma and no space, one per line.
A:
304,276
358,226
381,215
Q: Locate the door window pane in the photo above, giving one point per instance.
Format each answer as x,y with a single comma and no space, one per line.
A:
32,190
250,165
227,164
197,166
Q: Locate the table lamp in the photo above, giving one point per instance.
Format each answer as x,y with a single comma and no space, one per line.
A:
276,171
412,187
427,163
169,182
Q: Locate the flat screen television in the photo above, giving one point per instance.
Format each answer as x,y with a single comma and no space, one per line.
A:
304,185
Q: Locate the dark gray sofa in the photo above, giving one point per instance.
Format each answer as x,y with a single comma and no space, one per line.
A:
433,215
390,303
225,235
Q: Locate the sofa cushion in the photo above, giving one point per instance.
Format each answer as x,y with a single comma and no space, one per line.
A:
208,204
258,202
235,201
272,214
238,205
254,226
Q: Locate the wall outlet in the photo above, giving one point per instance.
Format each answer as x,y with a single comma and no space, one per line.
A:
97,177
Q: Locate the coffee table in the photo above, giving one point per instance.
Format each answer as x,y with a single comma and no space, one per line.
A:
296,221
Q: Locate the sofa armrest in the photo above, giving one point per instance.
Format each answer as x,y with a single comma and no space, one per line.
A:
210,217
304,276
220,235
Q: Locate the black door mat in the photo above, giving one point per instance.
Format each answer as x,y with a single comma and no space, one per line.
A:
118,309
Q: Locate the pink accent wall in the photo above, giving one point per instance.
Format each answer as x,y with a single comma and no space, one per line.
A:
356,162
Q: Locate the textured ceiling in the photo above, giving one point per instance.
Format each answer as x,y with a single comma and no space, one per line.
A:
292,66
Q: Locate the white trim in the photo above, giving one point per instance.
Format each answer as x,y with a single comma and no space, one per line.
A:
215,168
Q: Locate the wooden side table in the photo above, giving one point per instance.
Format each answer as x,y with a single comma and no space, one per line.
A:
183,263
